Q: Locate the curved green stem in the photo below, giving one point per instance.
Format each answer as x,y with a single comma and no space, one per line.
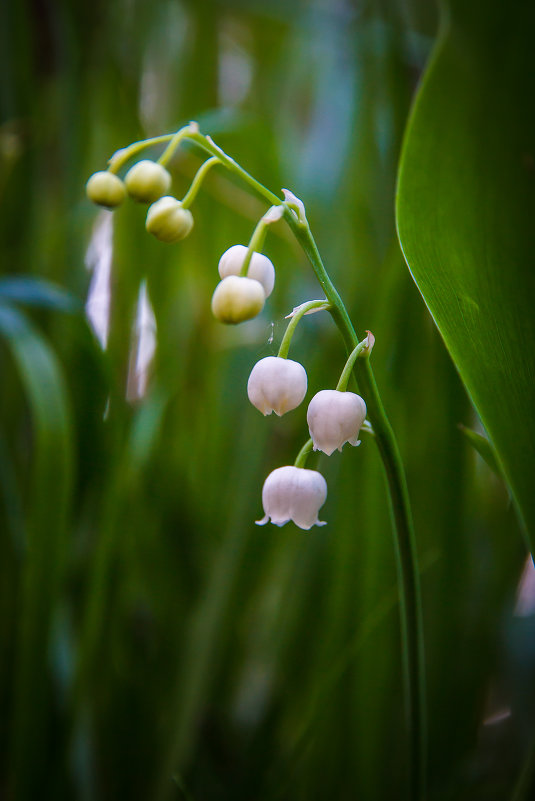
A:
292,325
348,367
302,456
123,155
176,139
209,146
120,157
200,175
406,556
255,245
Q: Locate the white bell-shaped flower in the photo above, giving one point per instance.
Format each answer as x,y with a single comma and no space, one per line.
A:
260,267
335,418
293,493
277,385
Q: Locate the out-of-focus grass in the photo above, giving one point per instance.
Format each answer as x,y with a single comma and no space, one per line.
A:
185,653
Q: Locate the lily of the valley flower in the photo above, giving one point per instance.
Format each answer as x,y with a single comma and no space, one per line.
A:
237,298
147,181
277,385
106,189
335,418
168,221
260,268
293,493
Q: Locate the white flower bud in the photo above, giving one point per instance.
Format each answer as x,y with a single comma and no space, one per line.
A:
168,221
237,299
335,418
293,493
106,189
146,181
260,267
277,385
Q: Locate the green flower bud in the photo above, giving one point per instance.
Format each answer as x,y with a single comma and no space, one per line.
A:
237,299
146,181
106,189
168,221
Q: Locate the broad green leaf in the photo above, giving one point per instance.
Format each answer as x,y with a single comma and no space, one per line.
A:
466,211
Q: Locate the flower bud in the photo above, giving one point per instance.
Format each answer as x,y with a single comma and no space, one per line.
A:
293,493
106,189
146,181
277,385
237,299
260,267
335,418
168,221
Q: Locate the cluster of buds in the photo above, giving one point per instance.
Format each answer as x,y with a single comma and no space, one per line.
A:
145,182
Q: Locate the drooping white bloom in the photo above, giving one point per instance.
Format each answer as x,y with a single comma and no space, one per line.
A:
293,493
260,267
335,418
277,385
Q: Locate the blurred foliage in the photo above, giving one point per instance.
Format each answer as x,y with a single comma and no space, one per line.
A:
156,644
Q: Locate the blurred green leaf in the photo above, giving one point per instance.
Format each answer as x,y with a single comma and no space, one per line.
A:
45,544
30,291
465,209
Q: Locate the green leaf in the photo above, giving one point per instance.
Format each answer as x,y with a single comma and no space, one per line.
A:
45,529
31,291
466,212
484,448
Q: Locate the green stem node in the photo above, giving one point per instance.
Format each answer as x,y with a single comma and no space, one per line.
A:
176,139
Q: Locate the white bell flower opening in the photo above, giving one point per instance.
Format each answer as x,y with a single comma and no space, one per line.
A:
277,385
260,267
293,493
335,418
